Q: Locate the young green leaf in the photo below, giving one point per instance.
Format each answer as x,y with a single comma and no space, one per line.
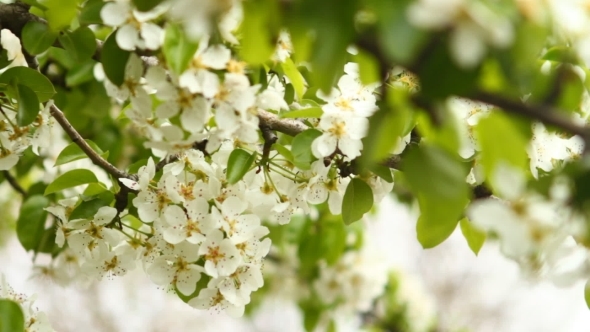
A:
114,60
71,179
238,164
475,238
90,13
73,152
358,200
12,318
31,78
31,221
301,148
587,294
28,105
37,37
283,151
87,209
312,112
294,76
177,48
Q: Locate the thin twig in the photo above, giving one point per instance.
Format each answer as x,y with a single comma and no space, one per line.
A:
13,183
290,127
76,138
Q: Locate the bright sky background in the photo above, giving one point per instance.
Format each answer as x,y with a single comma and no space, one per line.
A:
484,293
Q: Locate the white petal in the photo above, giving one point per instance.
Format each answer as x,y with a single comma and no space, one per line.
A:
127,37
114,13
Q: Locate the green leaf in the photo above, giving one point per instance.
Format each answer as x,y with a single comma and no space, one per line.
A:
80,73
73,152
238,165
37,37
301,148
368,67
382,172
12,318
71,179
503,140
34,80
28,105
294,76
114,60
178,49
358,200
257,29
312,112
87,209
587,293
475,238
90,13
146,5
437,178
31,221
80,44
283,151
60,13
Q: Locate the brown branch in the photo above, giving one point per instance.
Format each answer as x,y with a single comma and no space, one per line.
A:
543,113
290,127
76,138
13,183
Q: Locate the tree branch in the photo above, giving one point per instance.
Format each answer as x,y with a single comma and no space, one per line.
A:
544,113
290,127
76,138
13,183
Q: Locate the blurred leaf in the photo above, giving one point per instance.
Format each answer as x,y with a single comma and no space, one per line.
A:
358,200
37,37
368,67
80,73
30,78
12,318
259,25
437,178
503,139
178,49
283,151
238,165
28,105
146,5
114,60
301,148
587,293
31,222
87,209
71,179
475,238
60,13
312,112
81,44
90,13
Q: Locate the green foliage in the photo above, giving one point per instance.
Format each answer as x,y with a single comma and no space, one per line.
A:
312,112
475,238
503,140
28,105
30,78
146,5
60,13
30,225
258,29
358,200
178,49
437,178
114,60
71,179
37,37
12,318
301,148
294,76
80,44
73,152
239,164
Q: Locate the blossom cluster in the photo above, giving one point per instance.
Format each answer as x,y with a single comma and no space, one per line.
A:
35,320
15,139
